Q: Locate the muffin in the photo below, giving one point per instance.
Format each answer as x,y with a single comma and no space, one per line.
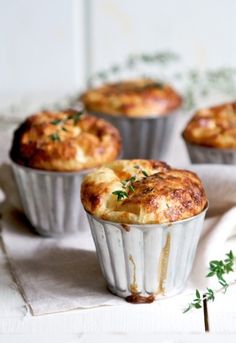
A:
210,135
143,110
146,219
50,153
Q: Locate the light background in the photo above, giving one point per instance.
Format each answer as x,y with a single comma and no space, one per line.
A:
49,48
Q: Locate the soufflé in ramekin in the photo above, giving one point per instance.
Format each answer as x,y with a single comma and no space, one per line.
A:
143,110
51,152
146,219
210,135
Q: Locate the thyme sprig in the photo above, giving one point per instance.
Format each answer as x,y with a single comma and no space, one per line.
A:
220,268
128,185
217,268
196,85
75,117
163,58
198,301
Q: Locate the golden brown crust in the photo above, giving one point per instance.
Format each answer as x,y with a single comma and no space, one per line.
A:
134,98
64,141
213,127
166,195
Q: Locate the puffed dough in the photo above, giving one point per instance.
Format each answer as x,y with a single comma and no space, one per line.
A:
159,193
133,98
213,127
65,141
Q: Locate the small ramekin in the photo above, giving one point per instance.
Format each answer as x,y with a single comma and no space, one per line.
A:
146,260
51,200
143,137
202,154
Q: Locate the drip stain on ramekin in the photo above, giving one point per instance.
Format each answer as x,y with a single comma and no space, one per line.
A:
162,266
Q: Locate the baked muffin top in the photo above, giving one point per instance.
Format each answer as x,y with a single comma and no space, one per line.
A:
213,127
64,141
142,192
133,98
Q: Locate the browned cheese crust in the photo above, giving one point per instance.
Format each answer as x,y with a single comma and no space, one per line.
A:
135,98
166,195
64,141
213,127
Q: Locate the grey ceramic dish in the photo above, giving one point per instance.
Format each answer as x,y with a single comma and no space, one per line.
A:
146,260
202,154
51,200
147,137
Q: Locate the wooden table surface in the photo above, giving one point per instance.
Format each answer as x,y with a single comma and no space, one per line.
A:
162,321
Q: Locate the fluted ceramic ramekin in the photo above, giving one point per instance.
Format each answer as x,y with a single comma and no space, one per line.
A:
143,137
202,154
51,200
146,260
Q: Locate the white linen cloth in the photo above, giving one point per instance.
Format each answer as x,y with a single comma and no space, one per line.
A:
55,275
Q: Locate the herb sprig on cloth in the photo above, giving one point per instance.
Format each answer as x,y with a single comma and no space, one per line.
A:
218,269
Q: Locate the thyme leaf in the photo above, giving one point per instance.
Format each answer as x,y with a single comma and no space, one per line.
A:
56,121
120,195
142,171
131,187
55,137
145,173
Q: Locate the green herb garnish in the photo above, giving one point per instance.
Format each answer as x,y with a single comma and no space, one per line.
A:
56,121
76,117
198,301
132,179
120,195
129,183
219,269
131,188
142,171
55,137
155,84
125,184
145,173
161,58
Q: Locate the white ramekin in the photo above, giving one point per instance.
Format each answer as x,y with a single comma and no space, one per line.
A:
144,259
51,200
202,154
147,137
